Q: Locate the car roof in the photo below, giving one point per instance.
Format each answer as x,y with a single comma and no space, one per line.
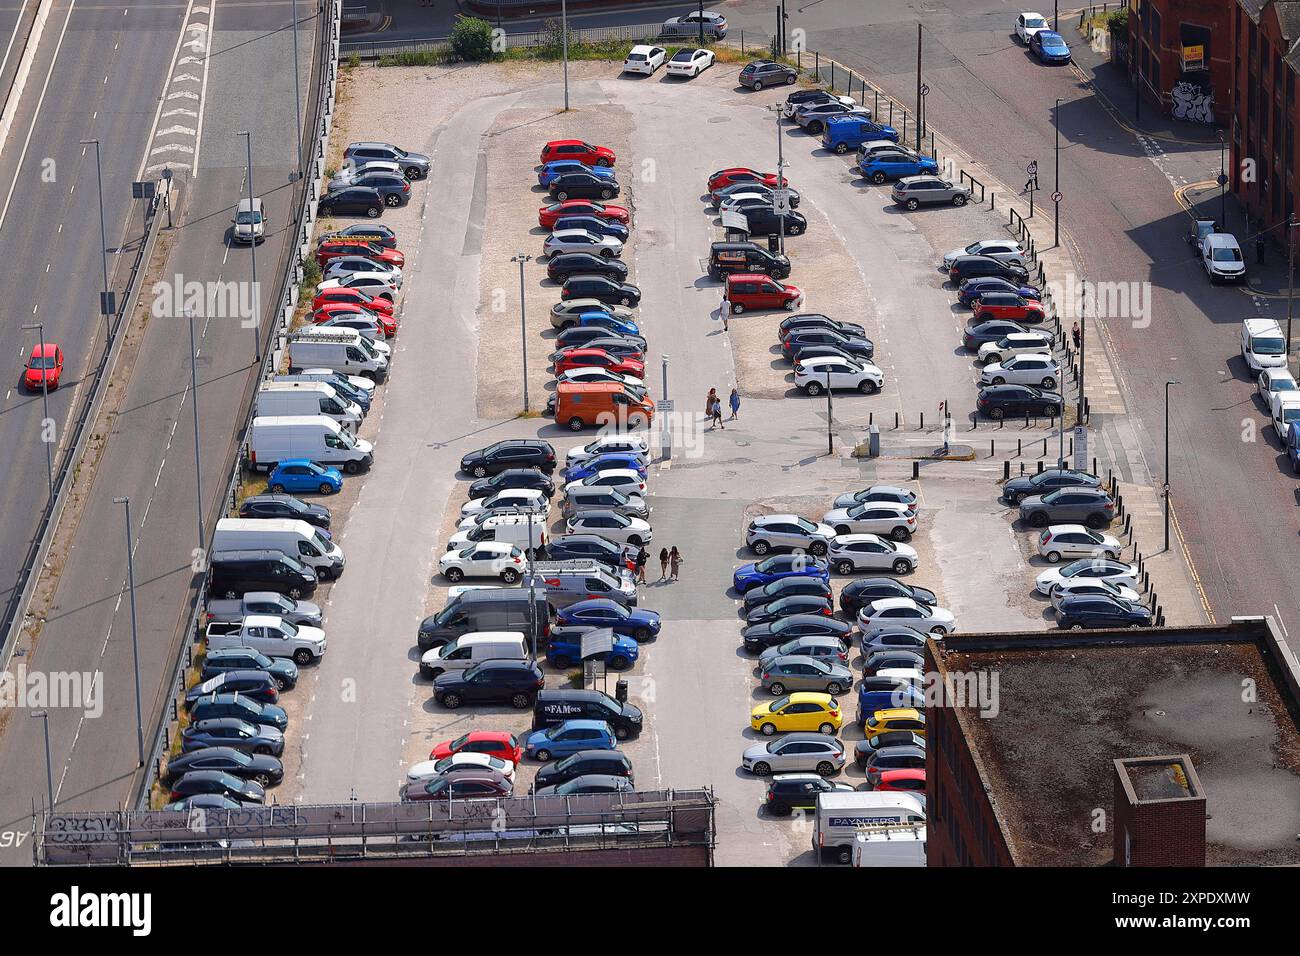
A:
1222,240
586,723
896,505
858,538
644,48
883,604
1255,326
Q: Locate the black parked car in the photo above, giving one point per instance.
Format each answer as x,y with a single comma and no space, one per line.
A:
220,660
1022,486
580,336
284,506
512,478
570,547
214,781
510,453
588,783
612,763
232,732
566,264
785,587
760,636
793,345
798,791
994,330
257,684
857,594
232,573
492,682
262,769
622,346
763,73
998,401
211,706
581,185
602,288
815,320
787,606
763,221
1078,611
352,201
863,749
977,267
392,187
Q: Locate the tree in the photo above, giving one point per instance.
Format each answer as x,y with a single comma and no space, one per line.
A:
471,38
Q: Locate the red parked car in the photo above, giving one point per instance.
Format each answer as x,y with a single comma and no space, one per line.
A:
558,149
43,368
329,310
352,297
494,743
333,248
906,781
756,291
1008,305
599,358
739,174
547,215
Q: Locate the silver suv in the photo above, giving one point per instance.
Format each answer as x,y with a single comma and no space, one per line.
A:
788,533
808,752
914,191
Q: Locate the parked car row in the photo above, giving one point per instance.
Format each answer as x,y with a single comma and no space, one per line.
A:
1263,349
375,176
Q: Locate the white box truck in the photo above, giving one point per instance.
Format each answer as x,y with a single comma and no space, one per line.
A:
314,437
297,539
890,846
840,815
343,350
279,399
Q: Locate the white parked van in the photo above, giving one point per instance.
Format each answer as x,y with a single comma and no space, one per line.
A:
461,653
890,846
1262,344
314,437
278,399
297,539
840,815
508,529
342,350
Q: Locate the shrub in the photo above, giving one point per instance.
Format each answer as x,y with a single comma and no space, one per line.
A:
471,38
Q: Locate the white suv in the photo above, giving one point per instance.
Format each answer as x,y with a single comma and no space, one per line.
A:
644,59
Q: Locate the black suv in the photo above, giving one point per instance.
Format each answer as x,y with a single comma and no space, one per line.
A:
583,186
764,222
601,288
510,453
512,478
232,573
556,706
492,682
815,320
979,267
612,763
284,506
559,268
726,257
1045,482
998,401
763,73
575,547
791,791
352,201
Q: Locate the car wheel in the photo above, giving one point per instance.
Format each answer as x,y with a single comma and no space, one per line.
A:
993,357
959,199
900,533
737,308
277,489
625,301
1112,555
902,566
602,161
450,701
758,85
1076,627
352,467
622,733
509,576
302,657
281,684
265,751
760,769
826,768
543,755
374,212
454,575
1053,557
768,730
789,78
791,305
637,421
999,380
326,489
843,567
619,663
294,593
562,196
996,413
413,172
841,148
392,200
878,178
641,635
867,387
843,529
795,229
776,688
813,388
938,631
575,424
1048,382
1096,521
912,204
834,689
817,549
761,547
634,540
435,673
827,729
479,472
521,701
607,194
561,662
815,127
1037,520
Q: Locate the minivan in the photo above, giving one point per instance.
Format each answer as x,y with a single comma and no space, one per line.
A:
278,399
249,222
1262,344
587,404
465,651
487,609
750,257
556,706
298,539
232,574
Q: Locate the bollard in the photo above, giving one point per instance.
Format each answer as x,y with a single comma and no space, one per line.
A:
1019,448
1044,448
922,421
895,420
871,418
1040,464
1022,469
992,450
1027,425
916,470
1094,464
1160,617
1006,470
993,201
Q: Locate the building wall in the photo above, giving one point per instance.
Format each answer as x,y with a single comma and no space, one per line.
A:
1159,31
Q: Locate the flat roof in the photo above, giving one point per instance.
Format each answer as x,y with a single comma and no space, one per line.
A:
1068,707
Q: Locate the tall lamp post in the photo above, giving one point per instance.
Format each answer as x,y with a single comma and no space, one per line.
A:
1290,281
780,190
39,328
135,640
1056,185
44,715
1223,181
523,328
103,236
252,250
194,405
564,30
1172,381
297,95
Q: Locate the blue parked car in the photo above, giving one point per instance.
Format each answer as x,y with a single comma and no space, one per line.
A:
1293,445
553,171
750,576
240,707
843,133
594,224
970,291
613,323
232,732
598,463
879,167
569,737
300,476
638,624
870,701
1049,47
566,650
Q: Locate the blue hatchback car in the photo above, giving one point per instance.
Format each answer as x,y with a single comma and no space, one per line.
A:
1049,47
971,290
603,320
638,624
552,171
879,167
569,737
750,576
566,651
599,463
870,701
1293,446
300,476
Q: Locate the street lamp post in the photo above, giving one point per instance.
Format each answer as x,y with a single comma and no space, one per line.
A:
1083,350
103,235
252,249
664,361
1056,187
523,328
135,640
1172,381
918,88
44,715
297,95
564,30
780,189
1290,281
830,416
39,328
1223,182
194,405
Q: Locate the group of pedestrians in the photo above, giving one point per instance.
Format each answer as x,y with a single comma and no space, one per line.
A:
670,563
713,408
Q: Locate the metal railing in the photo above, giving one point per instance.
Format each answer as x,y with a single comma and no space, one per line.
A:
378,48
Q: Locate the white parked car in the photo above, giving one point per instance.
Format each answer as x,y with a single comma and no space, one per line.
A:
426,769
569,310
580,240
1092,586
350,174
812,374
644,58
1036,369
619,479
922,617
342,269
606,444
485,559
1274,380
890,518
1027,24
1007,250
1076,541
594,373
690,62
1096,569
902,496
1016,343
531,498
613,526
870,552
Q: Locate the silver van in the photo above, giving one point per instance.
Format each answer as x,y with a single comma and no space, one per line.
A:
568,582
465,651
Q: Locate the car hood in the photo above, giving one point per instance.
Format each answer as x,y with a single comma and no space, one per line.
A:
836,514
756,632
1033,501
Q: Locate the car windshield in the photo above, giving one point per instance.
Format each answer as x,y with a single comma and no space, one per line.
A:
290,630
41,362
1267,345
1054,43
779,704
246,218
1291,414
1035,23
1227,254
683,55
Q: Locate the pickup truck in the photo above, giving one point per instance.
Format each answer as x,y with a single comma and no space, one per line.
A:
265,602
273,636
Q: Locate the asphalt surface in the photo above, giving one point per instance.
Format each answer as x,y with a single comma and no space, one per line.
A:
149,456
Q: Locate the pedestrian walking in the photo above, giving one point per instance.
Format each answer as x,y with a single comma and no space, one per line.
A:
1260,245
663,563
1075,335
675,560
708,405
735,403
717,413
642,556
726,311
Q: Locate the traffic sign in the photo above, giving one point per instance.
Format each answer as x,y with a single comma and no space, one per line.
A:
781,201
1032,168
664,405
1056,197
925,89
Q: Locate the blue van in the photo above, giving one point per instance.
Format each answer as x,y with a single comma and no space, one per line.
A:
843,133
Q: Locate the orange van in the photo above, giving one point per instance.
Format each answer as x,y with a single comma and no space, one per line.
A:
588,404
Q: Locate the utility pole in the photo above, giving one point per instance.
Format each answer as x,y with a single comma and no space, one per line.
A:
135,640
523,327
45,361
564,30
1056,186
194,407
1223,182
1172,381
104,305
918,87
252,250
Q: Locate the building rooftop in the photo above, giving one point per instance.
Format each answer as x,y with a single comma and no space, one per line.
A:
1071,705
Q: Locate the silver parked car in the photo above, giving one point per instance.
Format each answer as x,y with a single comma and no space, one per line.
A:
813,117
788,533
824,648
797,672
878,493
913,191
798,752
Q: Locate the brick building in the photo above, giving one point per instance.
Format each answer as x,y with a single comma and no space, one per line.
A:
1183,56
1170,746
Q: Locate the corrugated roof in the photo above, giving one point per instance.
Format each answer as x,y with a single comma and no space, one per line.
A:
1253,8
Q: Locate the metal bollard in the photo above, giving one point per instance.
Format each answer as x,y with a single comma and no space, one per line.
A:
896,420
1019,448
916,470
923,421
1040,464
992,450
1006,469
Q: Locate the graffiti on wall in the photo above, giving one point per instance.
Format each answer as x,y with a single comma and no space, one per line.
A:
1193,103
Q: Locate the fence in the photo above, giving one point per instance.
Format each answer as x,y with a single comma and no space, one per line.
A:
375,49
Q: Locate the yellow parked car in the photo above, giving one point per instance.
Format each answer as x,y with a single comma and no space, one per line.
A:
803,711
897,718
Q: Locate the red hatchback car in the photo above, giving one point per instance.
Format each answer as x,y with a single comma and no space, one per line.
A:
354,297
599,358
494,743
44,368
1008,305
757,291
906,781
333,248
739,174
558,149
547,215
329,310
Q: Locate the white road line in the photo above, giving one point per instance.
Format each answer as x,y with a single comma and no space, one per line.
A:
172,66
203,87
12,37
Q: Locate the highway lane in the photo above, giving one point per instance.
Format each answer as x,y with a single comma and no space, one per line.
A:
1234,500
149,456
